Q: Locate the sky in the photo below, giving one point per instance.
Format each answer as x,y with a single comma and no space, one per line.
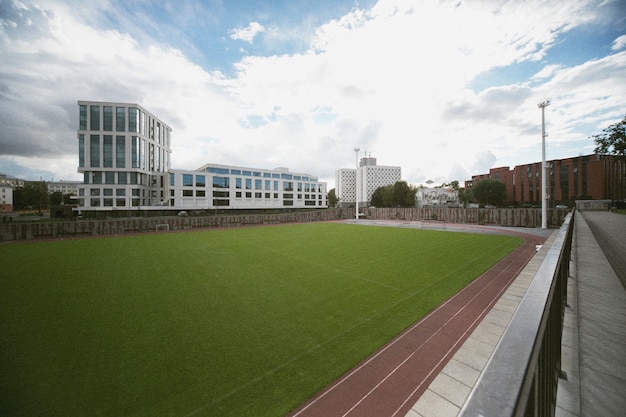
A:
443,89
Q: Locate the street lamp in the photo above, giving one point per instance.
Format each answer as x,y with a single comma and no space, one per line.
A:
356,183
544,180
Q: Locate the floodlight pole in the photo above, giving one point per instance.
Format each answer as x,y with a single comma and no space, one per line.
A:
356,183
544,179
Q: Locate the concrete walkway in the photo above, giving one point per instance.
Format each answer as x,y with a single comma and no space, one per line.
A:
594,337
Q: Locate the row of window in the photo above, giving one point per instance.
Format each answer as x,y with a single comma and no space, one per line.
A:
116,177
248,173
106,151
105,118
112,202
226,203
247,194
190,180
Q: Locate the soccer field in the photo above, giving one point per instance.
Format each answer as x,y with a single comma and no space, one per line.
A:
229,322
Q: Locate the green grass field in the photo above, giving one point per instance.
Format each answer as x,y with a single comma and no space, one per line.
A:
232,322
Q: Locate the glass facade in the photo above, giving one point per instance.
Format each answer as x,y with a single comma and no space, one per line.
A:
124,159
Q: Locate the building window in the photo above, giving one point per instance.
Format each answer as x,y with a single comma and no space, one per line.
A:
238,183
172,179
120,152
221,182
133,119
95,151
187,193
109,177
107,118
120,202
258,184
221,194
107,153
120,119
200,193
248,184
81,150
120,192
82,117
94,192
187,180
200,181
134,151
94,117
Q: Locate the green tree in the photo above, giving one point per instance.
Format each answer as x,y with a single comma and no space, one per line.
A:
489,192
403,194
465,195
34,194
612,142
332,198
452,184
399,194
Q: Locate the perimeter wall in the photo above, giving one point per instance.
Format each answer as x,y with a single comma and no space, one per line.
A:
14,231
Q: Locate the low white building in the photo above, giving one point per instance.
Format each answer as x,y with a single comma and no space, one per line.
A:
215,186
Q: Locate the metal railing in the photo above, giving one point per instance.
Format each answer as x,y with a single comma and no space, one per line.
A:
521,378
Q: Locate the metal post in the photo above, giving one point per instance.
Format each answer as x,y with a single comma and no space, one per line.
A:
356,184
544,180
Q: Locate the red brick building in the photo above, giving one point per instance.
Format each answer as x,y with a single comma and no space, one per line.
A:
578,178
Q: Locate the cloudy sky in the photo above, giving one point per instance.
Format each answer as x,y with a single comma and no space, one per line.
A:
444,89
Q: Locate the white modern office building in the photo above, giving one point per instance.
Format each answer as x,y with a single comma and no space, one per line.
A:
232,187
369,176
124,155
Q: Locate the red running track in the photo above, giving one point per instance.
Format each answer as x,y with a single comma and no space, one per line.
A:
391,380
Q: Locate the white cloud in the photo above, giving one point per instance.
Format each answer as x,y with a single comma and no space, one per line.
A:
248,33
392,80
619,43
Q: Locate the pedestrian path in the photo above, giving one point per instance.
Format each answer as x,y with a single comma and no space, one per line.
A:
594,339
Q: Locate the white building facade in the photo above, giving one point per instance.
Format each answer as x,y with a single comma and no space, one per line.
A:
124,155
215,186
369,176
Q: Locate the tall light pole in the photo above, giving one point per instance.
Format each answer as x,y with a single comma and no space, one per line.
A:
356,183
544,179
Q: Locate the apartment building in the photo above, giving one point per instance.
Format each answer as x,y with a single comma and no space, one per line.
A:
370,177
583,177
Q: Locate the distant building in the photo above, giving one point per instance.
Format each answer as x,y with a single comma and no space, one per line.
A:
370,177
437,197
64,187
6,198
124,156
588,177
7,185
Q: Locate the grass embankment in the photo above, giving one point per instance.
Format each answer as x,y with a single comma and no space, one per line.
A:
224,322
